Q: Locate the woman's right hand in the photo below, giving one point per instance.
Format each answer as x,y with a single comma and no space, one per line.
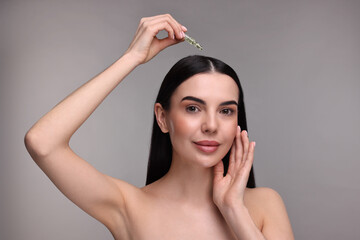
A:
146,45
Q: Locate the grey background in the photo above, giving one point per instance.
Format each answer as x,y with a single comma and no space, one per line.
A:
299,66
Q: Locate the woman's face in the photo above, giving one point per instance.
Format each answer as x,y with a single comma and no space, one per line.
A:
202,119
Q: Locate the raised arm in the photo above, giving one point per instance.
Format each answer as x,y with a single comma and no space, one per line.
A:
48,140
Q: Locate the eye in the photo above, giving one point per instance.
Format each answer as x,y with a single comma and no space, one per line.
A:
227,111
192,109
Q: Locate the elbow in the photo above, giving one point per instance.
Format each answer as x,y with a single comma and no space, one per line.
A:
36,145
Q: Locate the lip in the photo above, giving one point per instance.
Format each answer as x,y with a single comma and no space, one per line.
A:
207,146
207,143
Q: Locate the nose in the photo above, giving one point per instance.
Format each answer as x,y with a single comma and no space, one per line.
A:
209,124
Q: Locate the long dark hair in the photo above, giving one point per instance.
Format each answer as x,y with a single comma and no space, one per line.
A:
161,149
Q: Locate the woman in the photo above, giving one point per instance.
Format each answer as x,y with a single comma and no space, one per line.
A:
198,113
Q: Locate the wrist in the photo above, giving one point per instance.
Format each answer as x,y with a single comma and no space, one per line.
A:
131,59
228,204
233,208
240,221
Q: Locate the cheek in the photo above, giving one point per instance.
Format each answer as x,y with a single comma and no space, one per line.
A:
181,132
230,133
180,125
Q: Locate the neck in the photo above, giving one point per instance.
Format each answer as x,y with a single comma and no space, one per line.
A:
189,183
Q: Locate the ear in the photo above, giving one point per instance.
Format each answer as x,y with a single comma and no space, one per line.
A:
161,117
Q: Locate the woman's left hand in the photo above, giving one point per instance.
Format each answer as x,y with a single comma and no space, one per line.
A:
229,191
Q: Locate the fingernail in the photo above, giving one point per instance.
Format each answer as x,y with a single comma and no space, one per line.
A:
183,34
184,28
254,144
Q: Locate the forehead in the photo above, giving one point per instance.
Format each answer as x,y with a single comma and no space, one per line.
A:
212,86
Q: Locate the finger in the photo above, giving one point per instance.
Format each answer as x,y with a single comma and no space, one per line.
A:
219,171
177,27
164,43
250,157
182,28
243,173
246,168
155,28
231,168
165,21
239,149
147,24
168,28
245,143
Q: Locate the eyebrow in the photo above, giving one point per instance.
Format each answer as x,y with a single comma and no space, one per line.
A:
204,103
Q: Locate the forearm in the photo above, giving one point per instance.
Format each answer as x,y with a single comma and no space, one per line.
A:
241,223
56,127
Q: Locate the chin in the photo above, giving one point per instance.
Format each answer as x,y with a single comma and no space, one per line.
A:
210,160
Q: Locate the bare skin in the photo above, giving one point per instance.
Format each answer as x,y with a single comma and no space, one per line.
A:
192,201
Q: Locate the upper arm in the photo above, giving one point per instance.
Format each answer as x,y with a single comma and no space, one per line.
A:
99,195
276,224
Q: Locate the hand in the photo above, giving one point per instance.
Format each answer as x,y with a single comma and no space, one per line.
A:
229,191
146,45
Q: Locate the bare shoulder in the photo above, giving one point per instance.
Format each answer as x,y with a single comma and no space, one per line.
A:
263,196
268,204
